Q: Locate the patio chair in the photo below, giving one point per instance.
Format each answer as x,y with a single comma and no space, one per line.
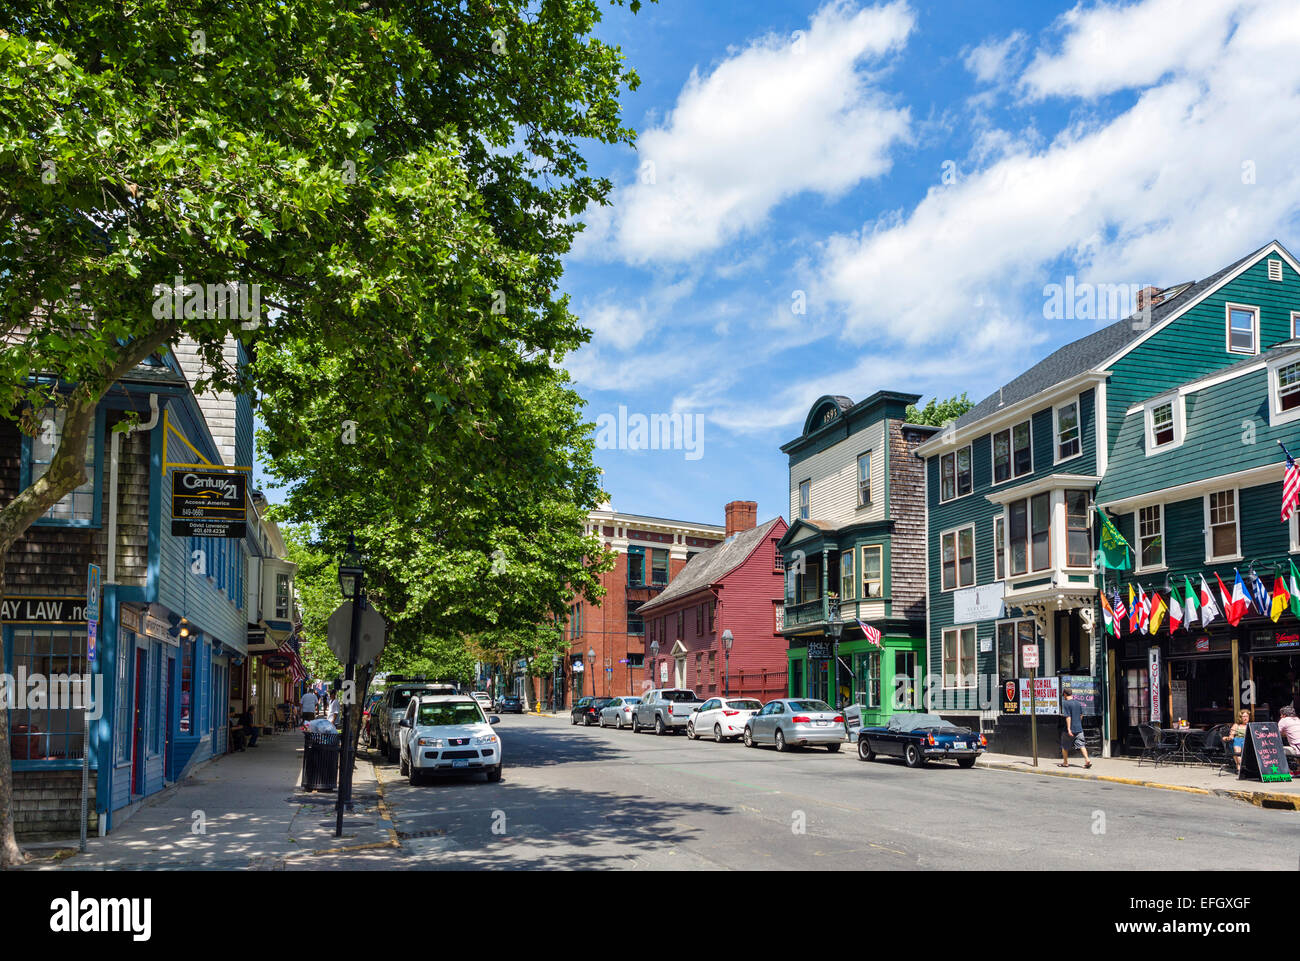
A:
1154,745
1206,746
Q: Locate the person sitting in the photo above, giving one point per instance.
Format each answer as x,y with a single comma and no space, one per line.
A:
1289,726
236,735
249,727
1237,735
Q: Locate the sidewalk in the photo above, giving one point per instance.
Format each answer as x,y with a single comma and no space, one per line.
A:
240,811
1122,770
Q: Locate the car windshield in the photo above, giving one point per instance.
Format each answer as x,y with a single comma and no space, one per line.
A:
809,706
449,712
678,696
744,705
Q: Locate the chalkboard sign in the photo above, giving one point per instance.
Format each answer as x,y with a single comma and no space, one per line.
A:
1262,755
1084,687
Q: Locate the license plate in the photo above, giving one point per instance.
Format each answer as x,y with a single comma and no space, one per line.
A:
960,745
460,763
821,723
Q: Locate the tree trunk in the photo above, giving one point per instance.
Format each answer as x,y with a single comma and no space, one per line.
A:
10,854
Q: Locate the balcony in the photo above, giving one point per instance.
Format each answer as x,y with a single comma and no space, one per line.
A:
808,612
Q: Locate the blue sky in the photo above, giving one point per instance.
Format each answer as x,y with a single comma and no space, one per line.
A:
916,175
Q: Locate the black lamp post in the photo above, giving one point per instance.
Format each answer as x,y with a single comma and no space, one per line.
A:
835,627
352,584
654,658
726,658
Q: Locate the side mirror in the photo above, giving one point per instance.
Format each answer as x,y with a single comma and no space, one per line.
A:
404,723
494,719
695,710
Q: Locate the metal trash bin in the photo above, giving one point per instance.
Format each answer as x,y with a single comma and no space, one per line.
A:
320,761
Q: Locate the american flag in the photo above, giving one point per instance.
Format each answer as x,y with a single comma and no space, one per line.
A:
295,664
1290,488
869,632
1121,611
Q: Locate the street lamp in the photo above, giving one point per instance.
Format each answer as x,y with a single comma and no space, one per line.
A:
654,656
352,584
726,655
835,627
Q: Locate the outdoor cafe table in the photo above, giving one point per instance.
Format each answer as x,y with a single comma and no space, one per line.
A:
1181,754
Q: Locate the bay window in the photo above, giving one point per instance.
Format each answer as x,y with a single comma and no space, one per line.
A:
846,575
1078,530
872,582
1029,534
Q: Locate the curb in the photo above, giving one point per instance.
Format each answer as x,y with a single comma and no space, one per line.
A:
1289,802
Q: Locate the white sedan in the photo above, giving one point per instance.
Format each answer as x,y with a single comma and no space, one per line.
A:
448,734
723,717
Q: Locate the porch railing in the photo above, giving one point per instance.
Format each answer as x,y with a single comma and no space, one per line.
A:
808,612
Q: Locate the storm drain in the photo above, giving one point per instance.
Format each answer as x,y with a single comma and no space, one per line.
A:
414,835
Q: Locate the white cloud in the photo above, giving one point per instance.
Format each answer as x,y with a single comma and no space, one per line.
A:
991,59
1153,195
781,117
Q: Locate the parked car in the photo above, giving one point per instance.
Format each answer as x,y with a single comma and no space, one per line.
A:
391,708
510,704
918,738
724,717
796,722
665,709
618,712
484,699
587,710
448,734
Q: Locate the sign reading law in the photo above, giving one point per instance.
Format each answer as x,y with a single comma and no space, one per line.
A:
209,503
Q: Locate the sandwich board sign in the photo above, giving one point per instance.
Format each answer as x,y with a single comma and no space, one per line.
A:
1262,755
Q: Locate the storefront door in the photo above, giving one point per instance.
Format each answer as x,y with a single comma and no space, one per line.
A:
167,720
138,725
1135,704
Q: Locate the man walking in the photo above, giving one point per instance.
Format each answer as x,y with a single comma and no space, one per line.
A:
1072,732
308,705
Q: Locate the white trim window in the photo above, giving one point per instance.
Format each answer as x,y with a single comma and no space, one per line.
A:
1078,529
805,499
1222,532
1164,422
864,479
1241,327
1068,430
1029,534
1294,525
1295,322
1013,454
873,581
1150,525
957,557
1000,547
958,657
1284,390
955,479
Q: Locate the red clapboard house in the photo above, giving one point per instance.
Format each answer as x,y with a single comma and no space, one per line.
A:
739,586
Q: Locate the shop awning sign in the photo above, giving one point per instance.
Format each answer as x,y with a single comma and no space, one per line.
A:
44,610
209,503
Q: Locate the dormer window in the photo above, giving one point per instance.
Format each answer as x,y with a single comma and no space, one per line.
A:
1288,387
1163,418
1284,389
1162,424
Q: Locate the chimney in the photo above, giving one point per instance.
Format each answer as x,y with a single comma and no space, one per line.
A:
741,516
1149,295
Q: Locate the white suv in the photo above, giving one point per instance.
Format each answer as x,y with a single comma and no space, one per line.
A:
448,734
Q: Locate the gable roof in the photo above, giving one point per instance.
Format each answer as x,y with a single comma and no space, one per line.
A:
1094,350
709,567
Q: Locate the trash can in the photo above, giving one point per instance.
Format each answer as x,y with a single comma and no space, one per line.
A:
320,761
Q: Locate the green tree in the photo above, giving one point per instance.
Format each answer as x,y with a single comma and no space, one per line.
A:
939,412
398,181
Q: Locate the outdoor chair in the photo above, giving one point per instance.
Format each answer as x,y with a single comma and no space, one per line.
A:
282,722
1154,745
1205,746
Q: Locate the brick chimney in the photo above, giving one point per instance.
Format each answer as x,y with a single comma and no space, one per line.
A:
741,516
1149,295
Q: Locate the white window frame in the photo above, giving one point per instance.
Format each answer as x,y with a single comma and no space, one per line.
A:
997,644
857,478
862,571
1295,317
1064,539
1294,525
1138,566
957,629
1056,429
956,486
974,552
1228,308
1010,431
1176,405
1209,534
1000,547
1276,415
799,501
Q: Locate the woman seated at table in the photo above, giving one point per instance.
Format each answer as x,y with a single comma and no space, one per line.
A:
1237,735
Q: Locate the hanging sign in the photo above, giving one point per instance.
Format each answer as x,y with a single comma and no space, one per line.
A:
1153,665
209,503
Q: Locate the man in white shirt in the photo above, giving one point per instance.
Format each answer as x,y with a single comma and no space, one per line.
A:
334,709
308,705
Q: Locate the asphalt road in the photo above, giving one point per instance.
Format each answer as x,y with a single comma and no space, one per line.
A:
588,798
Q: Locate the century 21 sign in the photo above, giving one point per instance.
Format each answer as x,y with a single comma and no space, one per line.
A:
209,503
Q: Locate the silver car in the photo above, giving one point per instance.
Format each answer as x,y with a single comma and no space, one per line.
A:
618,712
796,722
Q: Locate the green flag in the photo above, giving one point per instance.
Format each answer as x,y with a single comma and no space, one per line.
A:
1293,588
1114,551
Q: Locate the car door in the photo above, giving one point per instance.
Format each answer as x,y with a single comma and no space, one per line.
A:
404,733
759,725
610,713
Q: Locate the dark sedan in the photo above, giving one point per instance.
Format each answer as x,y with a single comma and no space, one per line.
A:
510,705
918,738
587,710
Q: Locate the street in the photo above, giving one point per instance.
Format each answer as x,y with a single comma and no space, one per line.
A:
587,798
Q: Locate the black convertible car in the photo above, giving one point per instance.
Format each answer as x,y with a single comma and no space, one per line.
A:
918,738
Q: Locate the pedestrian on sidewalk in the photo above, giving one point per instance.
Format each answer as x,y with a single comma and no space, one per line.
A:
309,705
1072,730
334,709
249,726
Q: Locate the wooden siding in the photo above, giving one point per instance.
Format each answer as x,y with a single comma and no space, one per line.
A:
834,471
906,506
1194,344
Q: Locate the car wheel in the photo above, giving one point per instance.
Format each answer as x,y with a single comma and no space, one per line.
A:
717,733
414,775
748,738
780,740
636,728
965,762
618,723
573,720
690,731
494,774
833,748
864,750
659,726
912,756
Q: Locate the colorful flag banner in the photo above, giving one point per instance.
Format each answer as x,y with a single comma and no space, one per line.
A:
1114,551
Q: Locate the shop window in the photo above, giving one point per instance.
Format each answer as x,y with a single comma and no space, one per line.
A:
867,675
1137,696
38,733
907,681
1013,638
